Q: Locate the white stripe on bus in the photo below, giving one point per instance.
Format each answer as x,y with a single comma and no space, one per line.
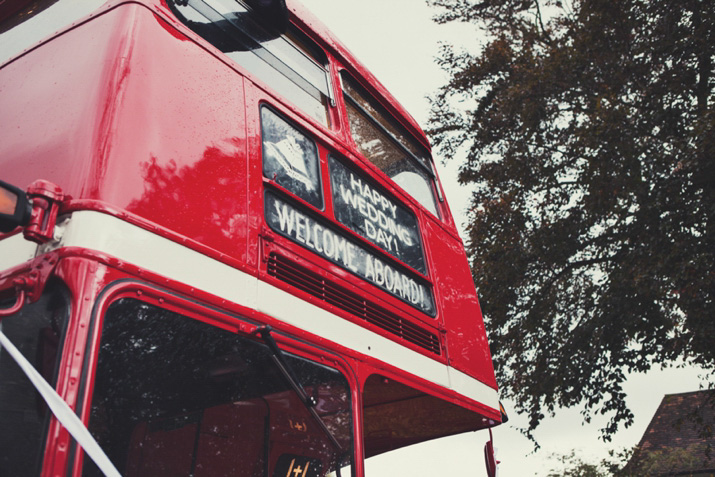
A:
110,235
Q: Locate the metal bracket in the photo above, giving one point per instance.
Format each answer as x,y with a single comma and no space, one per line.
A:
29,284
46,198
266,238
19,285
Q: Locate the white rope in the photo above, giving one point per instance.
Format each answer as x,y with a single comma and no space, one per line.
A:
62,411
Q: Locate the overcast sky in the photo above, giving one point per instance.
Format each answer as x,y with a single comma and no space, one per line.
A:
398,42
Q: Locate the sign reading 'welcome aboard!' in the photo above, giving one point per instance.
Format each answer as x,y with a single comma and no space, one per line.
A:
316,235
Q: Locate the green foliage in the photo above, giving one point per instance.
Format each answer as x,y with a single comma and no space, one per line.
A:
630,463
588,129
572,465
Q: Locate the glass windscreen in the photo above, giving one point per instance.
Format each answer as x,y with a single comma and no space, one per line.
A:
389,147
174,396
37,330
291,66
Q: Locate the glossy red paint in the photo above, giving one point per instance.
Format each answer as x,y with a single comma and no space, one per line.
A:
95,281
133,115
46,199
118,125
84,278
463,324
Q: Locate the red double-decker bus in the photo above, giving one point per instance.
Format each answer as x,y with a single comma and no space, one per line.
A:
224,250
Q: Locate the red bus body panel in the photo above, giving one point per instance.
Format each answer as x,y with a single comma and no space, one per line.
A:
133,115
168,141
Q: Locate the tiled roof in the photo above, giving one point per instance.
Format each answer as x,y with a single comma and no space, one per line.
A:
680,438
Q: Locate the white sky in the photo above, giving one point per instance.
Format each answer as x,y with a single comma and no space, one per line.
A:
397,41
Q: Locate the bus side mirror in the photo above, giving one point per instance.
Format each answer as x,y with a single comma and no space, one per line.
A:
490,457
15,207
272,13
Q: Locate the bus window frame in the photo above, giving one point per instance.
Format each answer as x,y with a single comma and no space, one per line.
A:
241,322
271,182
303,47
421,391
426,165
334,145
363,174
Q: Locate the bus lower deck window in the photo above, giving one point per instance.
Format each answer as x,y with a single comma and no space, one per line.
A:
38,331
174,396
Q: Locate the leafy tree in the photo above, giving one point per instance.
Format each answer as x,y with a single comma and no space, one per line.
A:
588,129
620,463
667,461
573,465
632,462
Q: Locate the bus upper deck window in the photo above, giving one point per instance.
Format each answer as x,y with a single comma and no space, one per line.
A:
388,146
290,64
290,158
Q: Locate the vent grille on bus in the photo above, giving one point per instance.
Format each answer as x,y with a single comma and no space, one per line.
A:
294,274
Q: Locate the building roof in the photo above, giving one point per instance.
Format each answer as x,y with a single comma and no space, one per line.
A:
679,439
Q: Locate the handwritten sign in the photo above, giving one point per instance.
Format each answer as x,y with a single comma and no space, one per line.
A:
365,209
291,465
315,234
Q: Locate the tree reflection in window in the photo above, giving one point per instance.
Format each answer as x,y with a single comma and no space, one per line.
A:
177,397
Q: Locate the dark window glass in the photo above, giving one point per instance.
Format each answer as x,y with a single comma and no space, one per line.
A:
290,158
178,397
37,330
370,212
290,64
388,146
408,415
